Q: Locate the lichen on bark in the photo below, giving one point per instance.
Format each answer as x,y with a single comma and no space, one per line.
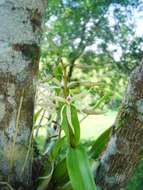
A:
19,58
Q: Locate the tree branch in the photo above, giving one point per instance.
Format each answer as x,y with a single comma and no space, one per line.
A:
124,149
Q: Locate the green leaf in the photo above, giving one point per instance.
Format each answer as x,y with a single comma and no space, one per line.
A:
100,101
70,124
36,115
66,186
74,126
64,122
69,117
57,71
75,122
79,169
57,146
99,145
66,127
40,143
60,174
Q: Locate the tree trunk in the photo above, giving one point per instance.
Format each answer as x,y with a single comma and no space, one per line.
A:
125,147
20,33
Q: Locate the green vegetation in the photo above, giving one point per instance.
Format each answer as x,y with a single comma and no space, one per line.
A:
84,66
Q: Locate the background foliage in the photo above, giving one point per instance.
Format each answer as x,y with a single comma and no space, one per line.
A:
98,43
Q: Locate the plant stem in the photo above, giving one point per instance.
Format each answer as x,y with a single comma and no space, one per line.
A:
65,79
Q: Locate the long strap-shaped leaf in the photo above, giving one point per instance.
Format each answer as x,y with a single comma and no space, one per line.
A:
79,169
73,121
60,173
64,122
70,124
100,143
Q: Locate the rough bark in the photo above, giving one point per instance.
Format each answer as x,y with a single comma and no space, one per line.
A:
125,147
20,33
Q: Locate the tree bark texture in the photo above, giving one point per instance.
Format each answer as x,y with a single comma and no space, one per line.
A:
125,147
20,33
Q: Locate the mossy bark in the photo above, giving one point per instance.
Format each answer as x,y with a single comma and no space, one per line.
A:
125,148
20,36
